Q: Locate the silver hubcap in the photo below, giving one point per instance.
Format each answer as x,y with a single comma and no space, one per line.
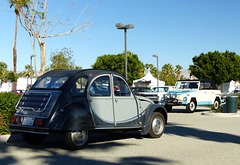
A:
79,138
157,125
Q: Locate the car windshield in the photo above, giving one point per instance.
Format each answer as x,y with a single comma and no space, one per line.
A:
186,85
50,82
161,89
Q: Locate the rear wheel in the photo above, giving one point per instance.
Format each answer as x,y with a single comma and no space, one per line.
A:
76,139
157,125
33,138
191,107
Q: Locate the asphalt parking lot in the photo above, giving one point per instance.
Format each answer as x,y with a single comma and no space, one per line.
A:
189,138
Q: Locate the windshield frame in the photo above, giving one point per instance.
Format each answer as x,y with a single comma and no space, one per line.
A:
187,84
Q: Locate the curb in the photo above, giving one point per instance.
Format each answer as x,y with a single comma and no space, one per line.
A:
221,114
10,138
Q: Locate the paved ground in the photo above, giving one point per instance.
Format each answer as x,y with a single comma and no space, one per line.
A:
188,139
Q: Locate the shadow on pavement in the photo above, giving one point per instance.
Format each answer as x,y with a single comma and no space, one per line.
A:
51,147
176,129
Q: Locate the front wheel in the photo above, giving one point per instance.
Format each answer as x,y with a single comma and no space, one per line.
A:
191,107
76,139
157,125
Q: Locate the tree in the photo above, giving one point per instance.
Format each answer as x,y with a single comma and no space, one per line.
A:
36,23
6,75
218,66
167,69
117,63
168,75
153,69
18,4
62,60
178,71
28,71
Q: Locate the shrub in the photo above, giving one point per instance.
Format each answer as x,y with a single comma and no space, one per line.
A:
8,102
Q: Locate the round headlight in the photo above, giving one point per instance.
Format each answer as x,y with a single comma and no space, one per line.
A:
167,96
185,99
174,96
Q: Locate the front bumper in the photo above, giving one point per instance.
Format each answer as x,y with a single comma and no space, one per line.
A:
173,102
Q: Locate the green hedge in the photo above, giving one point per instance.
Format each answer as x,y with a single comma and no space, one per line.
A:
8,102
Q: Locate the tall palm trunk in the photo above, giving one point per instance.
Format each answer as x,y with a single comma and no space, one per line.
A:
15,52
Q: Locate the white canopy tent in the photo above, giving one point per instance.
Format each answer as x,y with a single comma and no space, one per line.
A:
147,81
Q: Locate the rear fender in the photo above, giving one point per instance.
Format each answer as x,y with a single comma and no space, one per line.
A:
73,117
149,111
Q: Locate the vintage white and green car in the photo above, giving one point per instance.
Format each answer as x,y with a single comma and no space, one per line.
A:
191,93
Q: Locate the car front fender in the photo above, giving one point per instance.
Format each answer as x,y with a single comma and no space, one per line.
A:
147,117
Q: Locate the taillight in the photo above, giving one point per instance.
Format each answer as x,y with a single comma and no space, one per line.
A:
14,119
40,122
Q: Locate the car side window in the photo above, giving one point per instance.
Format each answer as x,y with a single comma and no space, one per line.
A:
79,86
120,87
100,87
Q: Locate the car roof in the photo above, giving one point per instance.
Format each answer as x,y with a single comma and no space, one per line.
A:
72,73
69,72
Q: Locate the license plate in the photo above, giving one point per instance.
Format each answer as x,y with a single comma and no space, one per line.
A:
28,121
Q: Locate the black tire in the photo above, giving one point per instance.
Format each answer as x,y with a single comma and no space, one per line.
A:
76,139
157,125
191,107
216,104
168,108
32,138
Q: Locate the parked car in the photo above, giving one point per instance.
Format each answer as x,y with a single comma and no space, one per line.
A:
157,93
79,102
18,92
138,90
191,93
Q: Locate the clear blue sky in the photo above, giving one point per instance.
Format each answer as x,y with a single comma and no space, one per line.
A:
175,30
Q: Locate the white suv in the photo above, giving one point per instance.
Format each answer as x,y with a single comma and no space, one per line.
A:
191,93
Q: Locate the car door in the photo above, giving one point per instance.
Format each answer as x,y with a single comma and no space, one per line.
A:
124,103
100,101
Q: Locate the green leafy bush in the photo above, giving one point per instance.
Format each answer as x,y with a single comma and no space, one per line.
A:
8,102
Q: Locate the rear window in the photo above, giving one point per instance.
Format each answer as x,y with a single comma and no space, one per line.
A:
50,82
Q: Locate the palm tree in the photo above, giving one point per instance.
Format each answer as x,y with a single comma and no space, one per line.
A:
178,71
167,69
19,4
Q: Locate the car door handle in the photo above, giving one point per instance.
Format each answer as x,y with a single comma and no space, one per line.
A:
116,100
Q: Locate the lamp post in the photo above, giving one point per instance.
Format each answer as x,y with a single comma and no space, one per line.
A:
157,69
125,27
31,68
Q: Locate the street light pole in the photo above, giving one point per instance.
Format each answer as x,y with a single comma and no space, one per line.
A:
157,70
125,32
125,27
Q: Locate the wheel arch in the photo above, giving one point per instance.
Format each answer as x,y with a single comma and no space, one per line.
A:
151,109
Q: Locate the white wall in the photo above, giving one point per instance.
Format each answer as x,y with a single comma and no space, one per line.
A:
22,84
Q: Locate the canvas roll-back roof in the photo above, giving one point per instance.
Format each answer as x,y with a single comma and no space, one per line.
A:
71,73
